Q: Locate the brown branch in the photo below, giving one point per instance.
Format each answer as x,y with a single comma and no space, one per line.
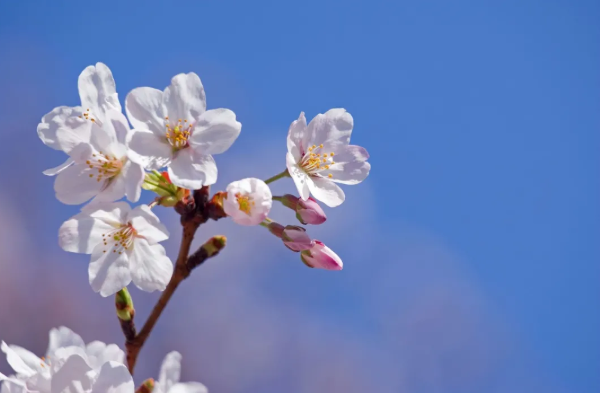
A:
194,212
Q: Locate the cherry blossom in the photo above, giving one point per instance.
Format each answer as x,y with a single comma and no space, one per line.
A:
173,128
319,155
322,257
248,201
94,138
68,366
168,380
124,246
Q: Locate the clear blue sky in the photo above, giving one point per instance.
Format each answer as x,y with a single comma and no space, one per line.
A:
482,120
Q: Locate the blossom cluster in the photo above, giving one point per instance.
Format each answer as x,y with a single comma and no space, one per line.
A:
165,143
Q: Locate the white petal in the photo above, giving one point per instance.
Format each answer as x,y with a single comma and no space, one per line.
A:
191,170
215,131
299,176
296,134
97,90
147,224
99,353
72,376
112,213
144,109
326,191
108,271
188,387
12,385
113,378
332,129
148,149
114,189
184,98
74,184
63,337
170,371
63,118
29,358
151,268
56,170
350,165
15,361
133,175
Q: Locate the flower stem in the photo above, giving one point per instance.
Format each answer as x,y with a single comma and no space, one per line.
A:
277,177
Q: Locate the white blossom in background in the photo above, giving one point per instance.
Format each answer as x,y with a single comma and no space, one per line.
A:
168,380
319,155
94,136
174,129
248,201
68,366
124,246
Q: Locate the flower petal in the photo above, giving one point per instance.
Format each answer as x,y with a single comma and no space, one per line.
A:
97,90
74,185
144,109
15,361
113,189
151,268
299,176
184,98
112,213
192,170
258,203
56,170
149,150
147,224
133,175
63,118
72,376
296,134
188,387
215,131
63,337
113,378
108,271
332,129
350,165
326,191
170,371
29,358
99,353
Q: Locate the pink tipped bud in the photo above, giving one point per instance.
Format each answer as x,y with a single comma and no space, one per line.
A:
321,257
276,229
296,239
289,201
309,212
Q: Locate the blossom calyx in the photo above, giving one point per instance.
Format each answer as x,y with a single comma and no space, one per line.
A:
169,193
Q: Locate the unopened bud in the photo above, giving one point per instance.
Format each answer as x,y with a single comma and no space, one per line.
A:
307,212
321,257
310,212
295,238
276,229
146,387
214,245
124,305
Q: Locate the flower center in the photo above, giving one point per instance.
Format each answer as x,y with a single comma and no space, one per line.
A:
245,202
178,134
315,161
122,237
107,166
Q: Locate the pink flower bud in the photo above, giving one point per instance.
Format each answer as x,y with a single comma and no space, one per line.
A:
296,239
309,212
321,257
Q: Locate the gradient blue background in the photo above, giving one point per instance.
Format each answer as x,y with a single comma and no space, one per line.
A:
471,251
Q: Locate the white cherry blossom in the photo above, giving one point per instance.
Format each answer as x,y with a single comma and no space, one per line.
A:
168,380
68,366
319,155
124,246
94,138
174,129
248,201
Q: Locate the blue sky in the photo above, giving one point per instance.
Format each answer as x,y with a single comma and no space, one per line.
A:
481,119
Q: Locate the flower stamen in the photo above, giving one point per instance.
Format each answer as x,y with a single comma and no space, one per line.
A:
245,203
179,134
122,236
